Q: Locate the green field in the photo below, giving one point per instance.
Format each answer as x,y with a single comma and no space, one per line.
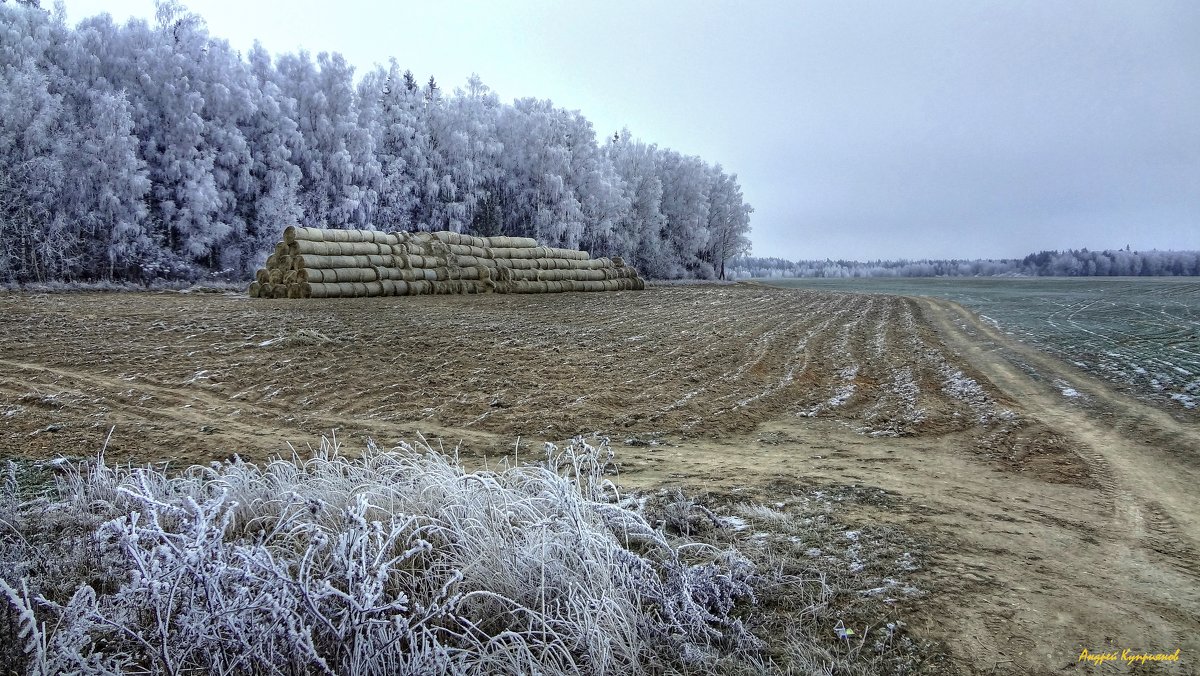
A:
1140,332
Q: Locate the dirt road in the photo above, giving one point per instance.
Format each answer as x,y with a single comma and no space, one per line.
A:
1055,522
1110,568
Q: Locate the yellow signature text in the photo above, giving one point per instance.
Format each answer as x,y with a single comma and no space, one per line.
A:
1129,657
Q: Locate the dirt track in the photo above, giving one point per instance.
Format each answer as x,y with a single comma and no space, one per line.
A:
1064,523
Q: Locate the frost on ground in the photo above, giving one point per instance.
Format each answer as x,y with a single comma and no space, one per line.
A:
396,562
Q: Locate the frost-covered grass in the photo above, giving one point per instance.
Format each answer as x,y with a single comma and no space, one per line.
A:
398,561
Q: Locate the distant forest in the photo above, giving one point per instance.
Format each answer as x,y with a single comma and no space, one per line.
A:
141,151
1072,263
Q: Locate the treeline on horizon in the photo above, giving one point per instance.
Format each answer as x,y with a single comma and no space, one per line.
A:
1070,263
141,152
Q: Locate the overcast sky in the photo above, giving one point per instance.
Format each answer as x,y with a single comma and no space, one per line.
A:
857,129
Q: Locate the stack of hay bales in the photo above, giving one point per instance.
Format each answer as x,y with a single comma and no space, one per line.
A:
317,263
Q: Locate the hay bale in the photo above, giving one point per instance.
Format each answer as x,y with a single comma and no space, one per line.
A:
618,262
302,247
517,263
509,242
295,232
394,288
467,250
342,236
460,239
281,249
416,261
289,277
279,290
351,275
262,276
503,252
253,290
568,254
275,276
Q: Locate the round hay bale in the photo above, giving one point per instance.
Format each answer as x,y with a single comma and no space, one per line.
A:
618,262
289,277
279,290
395,288
295,232
510,242
420,287
303,247
262,276
353,274
468,250
639,284
281,249
568,254
253,290
275,276
516,253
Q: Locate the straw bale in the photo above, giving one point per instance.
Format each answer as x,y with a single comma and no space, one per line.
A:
300,247
279,290
590,264
517,263
569,254
275,276
618,262
502,252
393,287
552,264
261,276
519,275
255,287
317,261
459,239
509,242
467,250
295,232
289,277
281,249
352,274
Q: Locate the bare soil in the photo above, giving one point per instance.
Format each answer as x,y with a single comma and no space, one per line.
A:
1058,523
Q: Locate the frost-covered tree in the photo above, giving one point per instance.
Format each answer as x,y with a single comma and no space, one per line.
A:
148,150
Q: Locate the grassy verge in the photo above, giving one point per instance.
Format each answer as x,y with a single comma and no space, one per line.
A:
401,561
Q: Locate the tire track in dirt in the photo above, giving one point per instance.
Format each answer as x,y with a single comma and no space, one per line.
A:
1133,468
1149,523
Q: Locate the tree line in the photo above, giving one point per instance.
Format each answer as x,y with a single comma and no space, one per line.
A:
1070,263
150,151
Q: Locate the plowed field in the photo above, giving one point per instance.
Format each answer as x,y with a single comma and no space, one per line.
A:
1064,522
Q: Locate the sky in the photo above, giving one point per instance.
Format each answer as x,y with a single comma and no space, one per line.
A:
858,130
